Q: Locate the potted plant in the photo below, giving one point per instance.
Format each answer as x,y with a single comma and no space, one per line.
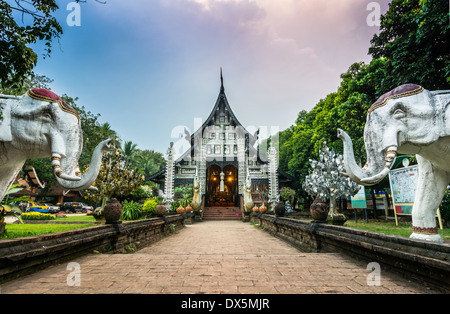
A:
280,209
319,210
160,209
263,209
180,210
113,211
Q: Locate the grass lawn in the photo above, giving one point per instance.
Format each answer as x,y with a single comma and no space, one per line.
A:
402,230
13,231
76,218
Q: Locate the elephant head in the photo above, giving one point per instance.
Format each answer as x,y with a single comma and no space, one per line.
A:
40,124
404,120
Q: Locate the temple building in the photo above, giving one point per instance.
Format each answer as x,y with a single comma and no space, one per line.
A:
222,154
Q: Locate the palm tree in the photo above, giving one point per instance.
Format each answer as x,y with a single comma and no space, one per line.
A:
129,149
107,132
148,161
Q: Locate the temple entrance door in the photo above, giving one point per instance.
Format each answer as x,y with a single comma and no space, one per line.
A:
225,194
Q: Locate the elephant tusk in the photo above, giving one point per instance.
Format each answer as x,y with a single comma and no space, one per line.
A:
88,178
391,154
58,172
93,188
377,178
69,178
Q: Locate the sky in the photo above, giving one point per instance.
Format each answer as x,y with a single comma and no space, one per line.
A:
150,68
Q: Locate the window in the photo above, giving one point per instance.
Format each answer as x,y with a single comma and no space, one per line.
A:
217,149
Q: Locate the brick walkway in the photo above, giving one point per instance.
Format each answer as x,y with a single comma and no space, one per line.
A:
213,257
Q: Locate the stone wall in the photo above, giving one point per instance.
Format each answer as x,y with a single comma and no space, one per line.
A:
421,261
26,255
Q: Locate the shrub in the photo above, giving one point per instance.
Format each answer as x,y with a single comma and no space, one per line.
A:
131,210
183,192
287,193
150,206
445,209
175,205
37,216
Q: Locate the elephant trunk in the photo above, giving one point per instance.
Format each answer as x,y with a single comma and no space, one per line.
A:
77,182
376,168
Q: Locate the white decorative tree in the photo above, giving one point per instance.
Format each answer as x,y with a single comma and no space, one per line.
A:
325,179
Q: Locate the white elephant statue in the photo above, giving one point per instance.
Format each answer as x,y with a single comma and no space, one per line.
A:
196,198
39,124
248,200
408,120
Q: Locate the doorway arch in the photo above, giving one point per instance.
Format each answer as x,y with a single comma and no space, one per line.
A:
229,196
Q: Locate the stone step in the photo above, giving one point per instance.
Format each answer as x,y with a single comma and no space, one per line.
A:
222,213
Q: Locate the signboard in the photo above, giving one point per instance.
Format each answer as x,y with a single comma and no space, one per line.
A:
359,199
404,184
403,187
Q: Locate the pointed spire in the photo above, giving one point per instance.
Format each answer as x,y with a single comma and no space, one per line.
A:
222,88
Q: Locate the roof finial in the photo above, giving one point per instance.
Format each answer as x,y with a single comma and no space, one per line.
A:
222,88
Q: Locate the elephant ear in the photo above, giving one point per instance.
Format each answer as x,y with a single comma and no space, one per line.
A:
442,105
5,122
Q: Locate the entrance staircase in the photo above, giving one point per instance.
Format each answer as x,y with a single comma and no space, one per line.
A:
222,213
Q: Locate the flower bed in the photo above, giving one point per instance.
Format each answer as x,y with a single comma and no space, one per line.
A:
37,216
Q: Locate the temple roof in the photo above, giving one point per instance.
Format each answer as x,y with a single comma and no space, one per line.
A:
221,107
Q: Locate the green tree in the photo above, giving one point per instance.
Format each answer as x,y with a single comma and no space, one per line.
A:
32,81
414,39
148,161
115,179
129,149
17,59
22,24
360,87
346,108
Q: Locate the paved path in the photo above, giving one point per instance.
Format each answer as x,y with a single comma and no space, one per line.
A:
212,257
